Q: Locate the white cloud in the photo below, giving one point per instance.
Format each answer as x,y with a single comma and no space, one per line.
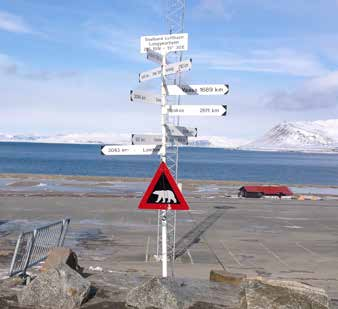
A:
115,39
317,93
13,23
279,60
10,66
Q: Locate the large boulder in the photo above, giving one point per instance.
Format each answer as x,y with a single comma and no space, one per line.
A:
61,255
59,288
258,293
161,293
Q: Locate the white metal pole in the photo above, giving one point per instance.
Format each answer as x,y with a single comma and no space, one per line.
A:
164,245
163,159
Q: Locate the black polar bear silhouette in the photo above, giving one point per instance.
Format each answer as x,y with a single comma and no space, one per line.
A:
165,196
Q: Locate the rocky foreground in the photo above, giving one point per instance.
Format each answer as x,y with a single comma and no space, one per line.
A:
62,284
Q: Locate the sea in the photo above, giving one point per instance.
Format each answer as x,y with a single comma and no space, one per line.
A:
194,163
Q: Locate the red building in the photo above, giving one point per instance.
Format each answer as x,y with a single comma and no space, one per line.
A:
259,191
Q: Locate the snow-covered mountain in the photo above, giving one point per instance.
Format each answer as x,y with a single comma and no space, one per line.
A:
306,136
75,138
217,142
105,138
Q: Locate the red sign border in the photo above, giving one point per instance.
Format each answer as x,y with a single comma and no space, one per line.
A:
163,169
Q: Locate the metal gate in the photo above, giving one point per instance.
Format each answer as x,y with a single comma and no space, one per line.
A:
33,247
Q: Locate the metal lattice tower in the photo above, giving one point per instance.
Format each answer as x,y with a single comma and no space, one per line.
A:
175,22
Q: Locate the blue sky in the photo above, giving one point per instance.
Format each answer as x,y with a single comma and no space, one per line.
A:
68,66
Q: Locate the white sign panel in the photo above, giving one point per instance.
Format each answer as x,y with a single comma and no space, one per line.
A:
155,73
130,150
164,43
181,131
197,110
173,68
142,139
144,97
154,56
219,89
178,67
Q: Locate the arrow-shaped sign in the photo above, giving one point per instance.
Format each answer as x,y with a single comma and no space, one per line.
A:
219,89
197,110
181,131
144,97
154,56
173,68
144,139
129,150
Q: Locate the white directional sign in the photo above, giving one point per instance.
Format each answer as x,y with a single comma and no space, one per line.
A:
181,131
173,68
155,73
219,89
144,97
164,43
129,150
144,139
154,56
178,67
197,110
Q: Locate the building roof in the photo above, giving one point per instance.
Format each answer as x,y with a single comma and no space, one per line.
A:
268,190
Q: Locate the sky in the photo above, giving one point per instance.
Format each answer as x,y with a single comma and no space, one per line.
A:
68,66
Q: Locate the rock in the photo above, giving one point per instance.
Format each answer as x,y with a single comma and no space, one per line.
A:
226,277
59,288
257,293
161,293
59,256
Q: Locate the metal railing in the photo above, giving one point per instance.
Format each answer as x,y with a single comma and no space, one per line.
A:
33,247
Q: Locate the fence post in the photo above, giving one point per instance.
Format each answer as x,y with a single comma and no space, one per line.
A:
29,252
15,254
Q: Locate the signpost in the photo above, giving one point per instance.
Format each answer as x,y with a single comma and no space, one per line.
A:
144,139
173,68
129,150
163,193
197,110
144,97
164,43
198,89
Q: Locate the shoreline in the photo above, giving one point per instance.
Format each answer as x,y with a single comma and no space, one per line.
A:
148,179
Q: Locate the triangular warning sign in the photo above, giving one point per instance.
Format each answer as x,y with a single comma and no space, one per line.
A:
163,192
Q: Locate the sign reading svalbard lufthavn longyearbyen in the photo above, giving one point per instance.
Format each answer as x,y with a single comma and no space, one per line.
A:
163,192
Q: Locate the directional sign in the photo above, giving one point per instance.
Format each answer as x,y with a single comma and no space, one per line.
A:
129,150
144,97
163,192
198,89
154,56
164,43
178,67
181,131
197,110
155,73
144,139
173,68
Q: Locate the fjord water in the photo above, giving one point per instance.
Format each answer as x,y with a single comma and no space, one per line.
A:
195,163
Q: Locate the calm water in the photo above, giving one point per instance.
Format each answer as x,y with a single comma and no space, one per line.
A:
195,163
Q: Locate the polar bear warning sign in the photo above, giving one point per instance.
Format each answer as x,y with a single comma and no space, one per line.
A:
163,192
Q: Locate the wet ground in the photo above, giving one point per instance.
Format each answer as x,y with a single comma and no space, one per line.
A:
273,238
